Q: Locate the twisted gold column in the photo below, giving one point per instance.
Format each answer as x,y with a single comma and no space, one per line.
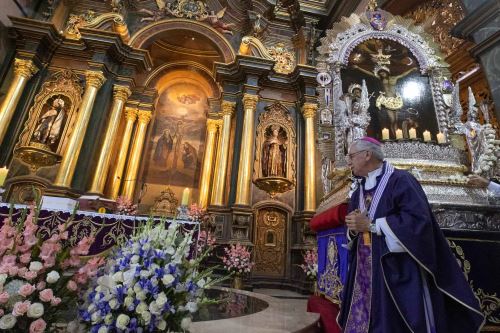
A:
68,164
206,173
221,167
131,116
135,153
246,151
120,95
309,111
23,71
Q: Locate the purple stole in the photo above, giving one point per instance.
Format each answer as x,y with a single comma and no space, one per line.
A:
358,320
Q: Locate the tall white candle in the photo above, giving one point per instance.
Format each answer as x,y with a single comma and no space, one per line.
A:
427,136
185,196
412,133
399,134
441,138
3,175
385,134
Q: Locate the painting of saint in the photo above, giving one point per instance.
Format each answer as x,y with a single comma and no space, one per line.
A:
177,142
402,97
50,124
274,152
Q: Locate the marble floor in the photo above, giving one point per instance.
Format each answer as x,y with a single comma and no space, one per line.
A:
286,314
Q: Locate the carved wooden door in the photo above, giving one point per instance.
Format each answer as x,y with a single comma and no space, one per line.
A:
270,242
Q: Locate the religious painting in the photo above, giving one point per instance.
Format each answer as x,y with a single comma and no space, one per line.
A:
177,141
400,97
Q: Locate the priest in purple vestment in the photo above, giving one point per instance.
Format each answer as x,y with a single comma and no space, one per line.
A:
402,274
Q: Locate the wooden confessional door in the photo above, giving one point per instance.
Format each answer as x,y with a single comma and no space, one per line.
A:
270,243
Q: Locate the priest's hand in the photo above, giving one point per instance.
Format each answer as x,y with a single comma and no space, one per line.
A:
357,221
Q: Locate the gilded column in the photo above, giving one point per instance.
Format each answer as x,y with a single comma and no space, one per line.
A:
221,167
135,154
206,173
246,152
120,96
131,116
309,112
94,80
23,71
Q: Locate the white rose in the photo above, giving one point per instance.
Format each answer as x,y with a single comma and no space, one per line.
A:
35,310
135,259
137,287
113,304
192,307
108,319
185,322
122,321
3,278
154,308
95,317
146,316
35,266
161,325
118,277
7,322
141,296
141,307
52,277
145,274
167,279
103,329
128,301
161,299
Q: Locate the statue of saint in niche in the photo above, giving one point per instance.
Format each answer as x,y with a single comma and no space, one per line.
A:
274,150
50,123
357,103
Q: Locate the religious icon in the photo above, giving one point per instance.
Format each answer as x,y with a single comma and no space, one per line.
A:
50,123
356,103
274,152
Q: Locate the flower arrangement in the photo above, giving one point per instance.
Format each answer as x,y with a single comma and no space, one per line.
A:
198,214
151,284
125,206
206,241
39,279
310,265
237,259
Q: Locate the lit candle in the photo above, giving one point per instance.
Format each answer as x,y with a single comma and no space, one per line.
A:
412,133
427,136
3,175
385,134
185,197
399,134
440,137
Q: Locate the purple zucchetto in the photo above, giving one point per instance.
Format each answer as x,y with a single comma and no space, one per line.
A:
372,140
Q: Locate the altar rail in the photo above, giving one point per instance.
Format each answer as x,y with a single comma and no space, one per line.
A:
108,229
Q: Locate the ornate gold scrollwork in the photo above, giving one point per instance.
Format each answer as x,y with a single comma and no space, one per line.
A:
270,244
274,165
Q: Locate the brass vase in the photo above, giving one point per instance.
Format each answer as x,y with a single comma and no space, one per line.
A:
237,282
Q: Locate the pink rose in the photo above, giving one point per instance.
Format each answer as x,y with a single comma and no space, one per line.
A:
26,290
9,260
25,258
46,295
4,297
55,301
72,285
13,270
30,275
38,326
21,308
41,285
22,271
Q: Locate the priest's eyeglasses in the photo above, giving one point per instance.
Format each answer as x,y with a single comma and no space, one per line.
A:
349,157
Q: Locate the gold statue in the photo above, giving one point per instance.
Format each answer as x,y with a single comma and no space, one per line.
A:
274,152
50,123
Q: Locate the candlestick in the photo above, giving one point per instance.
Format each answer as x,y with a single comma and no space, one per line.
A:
385,134
412,133
185,197
3,175
399,134
441,138
427,136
